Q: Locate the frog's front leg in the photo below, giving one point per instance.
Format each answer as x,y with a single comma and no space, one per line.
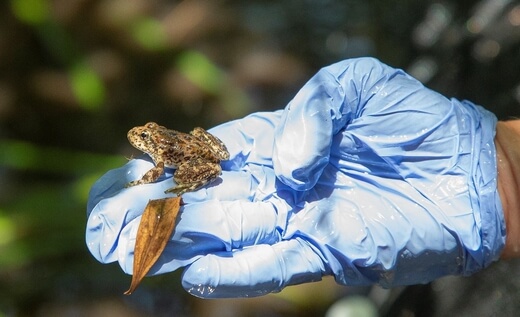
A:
149,177
192,175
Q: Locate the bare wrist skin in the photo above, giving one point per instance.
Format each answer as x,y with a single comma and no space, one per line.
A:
507,142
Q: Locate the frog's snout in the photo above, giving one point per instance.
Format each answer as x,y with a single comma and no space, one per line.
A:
130,134
138,137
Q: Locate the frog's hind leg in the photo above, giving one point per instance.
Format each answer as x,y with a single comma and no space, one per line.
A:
192,175
218,147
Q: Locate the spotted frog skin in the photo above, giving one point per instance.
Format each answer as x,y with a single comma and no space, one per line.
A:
195,156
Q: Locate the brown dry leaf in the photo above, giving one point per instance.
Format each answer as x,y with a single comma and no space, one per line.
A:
155,229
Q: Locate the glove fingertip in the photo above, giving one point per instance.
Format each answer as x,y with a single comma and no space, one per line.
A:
217,276
253,271
198,278
299,177
299,158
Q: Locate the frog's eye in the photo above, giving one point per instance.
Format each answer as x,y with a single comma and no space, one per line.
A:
144,135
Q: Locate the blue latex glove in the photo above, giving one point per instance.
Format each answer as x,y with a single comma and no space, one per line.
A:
366,175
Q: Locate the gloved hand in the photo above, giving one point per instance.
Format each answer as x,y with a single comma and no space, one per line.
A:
366,175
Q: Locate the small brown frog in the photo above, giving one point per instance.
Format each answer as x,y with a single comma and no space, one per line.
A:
195,156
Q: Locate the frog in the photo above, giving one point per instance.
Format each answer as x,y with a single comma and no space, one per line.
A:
195,156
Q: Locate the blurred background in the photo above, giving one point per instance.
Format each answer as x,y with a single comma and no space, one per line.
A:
75,75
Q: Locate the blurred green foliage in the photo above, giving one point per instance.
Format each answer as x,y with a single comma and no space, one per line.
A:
29,157
87,87
200,71
31,11
149,33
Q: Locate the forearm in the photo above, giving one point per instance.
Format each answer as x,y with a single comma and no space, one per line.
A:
507,142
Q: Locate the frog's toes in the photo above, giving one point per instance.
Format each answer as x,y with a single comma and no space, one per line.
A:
176,190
